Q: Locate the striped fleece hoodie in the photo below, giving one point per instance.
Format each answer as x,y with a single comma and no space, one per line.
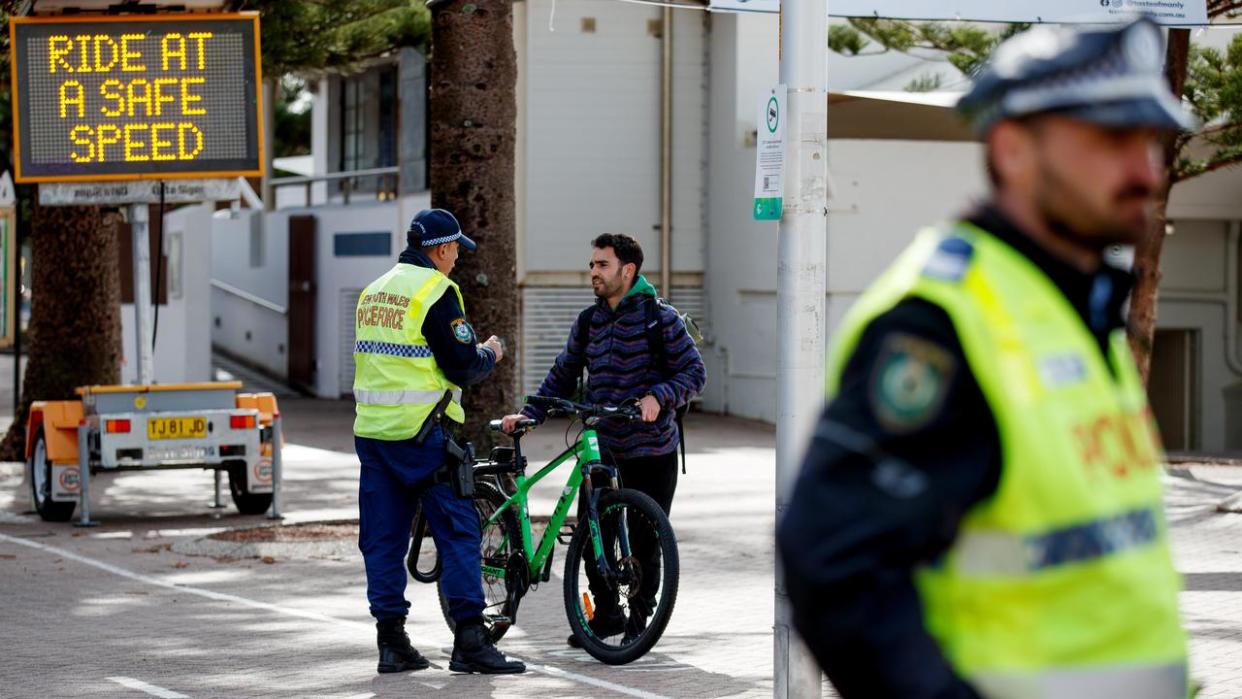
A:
621,366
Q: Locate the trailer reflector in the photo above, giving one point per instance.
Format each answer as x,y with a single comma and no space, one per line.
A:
241,422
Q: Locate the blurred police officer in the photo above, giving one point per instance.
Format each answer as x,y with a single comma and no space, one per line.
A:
414,351
979,514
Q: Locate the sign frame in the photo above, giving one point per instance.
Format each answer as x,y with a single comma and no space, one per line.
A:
253,17
176,191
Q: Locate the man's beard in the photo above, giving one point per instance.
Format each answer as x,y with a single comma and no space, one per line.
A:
1098,234
604,290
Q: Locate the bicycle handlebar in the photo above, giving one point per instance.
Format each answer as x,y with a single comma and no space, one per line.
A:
559,406
496,425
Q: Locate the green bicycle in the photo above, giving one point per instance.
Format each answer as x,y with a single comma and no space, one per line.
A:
621,569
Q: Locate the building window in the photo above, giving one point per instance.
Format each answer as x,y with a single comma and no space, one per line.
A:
388,117
351,124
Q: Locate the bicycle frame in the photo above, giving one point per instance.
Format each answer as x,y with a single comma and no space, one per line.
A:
586,456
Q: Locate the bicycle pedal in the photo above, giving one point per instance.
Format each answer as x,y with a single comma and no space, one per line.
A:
501,624
566,533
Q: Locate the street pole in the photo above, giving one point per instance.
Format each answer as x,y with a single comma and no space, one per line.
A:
141,237
800,295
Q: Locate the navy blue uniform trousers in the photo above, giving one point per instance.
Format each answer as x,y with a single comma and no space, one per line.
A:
395,475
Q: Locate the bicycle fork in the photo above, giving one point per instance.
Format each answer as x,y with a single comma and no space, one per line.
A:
606,570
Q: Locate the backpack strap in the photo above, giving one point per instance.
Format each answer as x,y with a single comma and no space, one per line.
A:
584,326
655,344
655,335
583,337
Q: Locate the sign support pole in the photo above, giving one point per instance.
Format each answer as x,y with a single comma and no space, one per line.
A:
800,296
138,221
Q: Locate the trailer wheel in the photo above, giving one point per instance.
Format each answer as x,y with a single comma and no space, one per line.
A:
39,471
247,503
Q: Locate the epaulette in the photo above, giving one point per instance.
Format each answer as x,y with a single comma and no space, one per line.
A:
950,260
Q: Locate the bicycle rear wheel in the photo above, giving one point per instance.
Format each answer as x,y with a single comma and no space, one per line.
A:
500,540
620,622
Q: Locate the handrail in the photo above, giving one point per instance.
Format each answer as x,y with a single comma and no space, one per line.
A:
346,175
346,178
246,295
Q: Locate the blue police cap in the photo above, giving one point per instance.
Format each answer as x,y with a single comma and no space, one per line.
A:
436,227
1112,76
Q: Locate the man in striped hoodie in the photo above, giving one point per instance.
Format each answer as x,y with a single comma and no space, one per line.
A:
621,365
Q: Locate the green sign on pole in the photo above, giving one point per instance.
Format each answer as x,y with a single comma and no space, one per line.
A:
770,155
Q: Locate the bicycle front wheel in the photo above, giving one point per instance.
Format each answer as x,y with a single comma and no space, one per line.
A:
617,618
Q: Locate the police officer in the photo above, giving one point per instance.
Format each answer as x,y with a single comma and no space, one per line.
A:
979,513
413,348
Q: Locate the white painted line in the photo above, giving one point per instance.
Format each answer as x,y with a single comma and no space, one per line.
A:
209,594
290,611
584,679
147,688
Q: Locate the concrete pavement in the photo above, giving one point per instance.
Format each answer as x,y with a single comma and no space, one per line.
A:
84,606
120,611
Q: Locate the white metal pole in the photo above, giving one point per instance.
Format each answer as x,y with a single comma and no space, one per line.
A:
141,236
800,294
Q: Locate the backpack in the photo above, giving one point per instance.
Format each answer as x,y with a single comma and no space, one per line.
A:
655,343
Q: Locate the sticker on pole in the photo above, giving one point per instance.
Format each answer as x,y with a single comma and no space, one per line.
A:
770,155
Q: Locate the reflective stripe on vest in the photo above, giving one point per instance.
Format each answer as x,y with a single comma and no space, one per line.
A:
402,397
394,349
1141,682
994,554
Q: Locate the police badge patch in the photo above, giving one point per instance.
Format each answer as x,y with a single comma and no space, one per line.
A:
462,331
909,382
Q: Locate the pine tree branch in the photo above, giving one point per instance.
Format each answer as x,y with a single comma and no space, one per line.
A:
1217,8
1188,169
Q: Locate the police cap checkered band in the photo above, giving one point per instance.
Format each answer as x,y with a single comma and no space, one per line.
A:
435,227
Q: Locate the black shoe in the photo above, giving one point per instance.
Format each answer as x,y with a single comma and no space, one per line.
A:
640,612
395,652
602,625
473,651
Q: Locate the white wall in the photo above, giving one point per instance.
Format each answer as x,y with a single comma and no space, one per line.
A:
182,341
593,132
1199,291
238,325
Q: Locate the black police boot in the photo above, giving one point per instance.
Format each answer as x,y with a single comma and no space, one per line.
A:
473,651
605,623
395,652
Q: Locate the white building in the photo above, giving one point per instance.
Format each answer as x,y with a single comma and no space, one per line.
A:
284,282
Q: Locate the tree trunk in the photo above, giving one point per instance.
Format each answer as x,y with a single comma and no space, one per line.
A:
473,114
1142,325
74,338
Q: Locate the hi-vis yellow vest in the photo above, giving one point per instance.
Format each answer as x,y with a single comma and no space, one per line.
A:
396,380
1060,585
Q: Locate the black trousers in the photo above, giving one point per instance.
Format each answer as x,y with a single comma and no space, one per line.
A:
656,476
